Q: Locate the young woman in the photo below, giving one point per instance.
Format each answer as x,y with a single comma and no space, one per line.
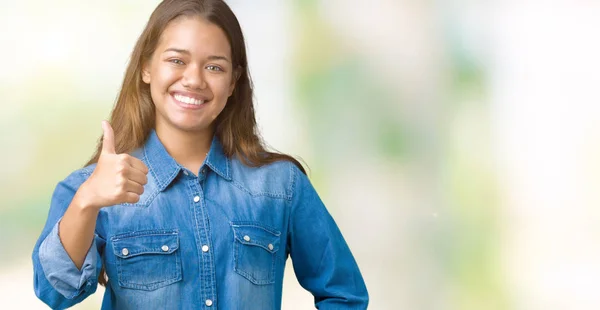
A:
181,206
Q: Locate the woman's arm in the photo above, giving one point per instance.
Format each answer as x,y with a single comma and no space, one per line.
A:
76,228
321,258
66,257
57,280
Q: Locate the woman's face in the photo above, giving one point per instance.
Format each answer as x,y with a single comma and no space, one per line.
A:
190,75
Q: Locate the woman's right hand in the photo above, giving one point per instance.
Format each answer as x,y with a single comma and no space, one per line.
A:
117,178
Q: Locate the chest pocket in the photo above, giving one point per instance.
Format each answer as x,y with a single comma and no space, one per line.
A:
147,260
254,250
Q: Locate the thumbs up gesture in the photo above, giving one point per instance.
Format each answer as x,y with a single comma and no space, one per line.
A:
117,178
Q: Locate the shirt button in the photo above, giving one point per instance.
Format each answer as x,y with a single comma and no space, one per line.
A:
205,248
247,238
197,198
185,172
203,170
208,302
270,247
165,248
125,251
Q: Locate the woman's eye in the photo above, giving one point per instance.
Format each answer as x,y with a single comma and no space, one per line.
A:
177,61
214,68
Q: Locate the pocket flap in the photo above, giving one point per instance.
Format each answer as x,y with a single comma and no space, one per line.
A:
145,242
253,234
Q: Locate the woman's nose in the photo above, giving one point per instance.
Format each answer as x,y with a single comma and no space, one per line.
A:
193,78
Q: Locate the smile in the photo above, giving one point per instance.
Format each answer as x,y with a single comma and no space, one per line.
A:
188,100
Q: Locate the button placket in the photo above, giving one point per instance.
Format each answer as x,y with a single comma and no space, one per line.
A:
207,289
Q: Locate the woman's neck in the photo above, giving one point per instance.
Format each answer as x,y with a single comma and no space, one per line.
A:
189,149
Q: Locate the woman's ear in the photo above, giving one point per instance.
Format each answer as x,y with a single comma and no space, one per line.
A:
146,72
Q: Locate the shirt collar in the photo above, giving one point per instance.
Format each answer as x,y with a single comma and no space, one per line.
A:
164,168
217,161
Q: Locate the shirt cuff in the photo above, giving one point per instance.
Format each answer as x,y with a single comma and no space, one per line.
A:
60,270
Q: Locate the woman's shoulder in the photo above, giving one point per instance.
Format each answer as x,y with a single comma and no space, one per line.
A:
276,179
280,169
78,176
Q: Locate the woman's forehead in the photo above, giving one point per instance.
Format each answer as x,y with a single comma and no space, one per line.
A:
194,34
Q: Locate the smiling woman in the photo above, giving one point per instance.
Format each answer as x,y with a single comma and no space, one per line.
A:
190,75
181,206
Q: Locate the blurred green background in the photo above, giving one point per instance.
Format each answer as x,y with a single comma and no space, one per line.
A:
454,142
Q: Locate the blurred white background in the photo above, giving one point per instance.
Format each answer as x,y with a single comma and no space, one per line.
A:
456,143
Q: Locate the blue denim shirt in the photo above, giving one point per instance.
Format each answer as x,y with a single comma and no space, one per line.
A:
216,240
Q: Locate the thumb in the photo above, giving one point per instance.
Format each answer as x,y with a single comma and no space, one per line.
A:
108,140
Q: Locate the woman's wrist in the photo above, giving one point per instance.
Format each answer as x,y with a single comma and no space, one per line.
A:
83,200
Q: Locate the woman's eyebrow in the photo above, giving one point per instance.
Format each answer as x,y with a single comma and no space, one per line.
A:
177,50
184,51
217,57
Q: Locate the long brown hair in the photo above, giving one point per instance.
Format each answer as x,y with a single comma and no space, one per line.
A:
133,116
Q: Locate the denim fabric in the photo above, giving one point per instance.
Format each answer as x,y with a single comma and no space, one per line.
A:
216,240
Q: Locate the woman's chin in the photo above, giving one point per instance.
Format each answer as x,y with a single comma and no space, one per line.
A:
193,127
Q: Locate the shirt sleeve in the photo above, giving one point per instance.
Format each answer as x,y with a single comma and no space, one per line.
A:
322,260
57,281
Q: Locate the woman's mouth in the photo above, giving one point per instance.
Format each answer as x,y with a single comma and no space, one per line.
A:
188,103
188,100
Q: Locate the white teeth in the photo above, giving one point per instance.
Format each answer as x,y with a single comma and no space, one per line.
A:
188,100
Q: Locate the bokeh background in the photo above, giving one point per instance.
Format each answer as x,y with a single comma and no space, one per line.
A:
456,143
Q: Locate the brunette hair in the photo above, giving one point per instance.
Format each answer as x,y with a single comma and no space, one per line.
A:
133,116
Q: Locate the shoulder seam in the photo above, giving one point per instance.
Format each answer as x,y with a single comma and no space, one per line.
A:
292,185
